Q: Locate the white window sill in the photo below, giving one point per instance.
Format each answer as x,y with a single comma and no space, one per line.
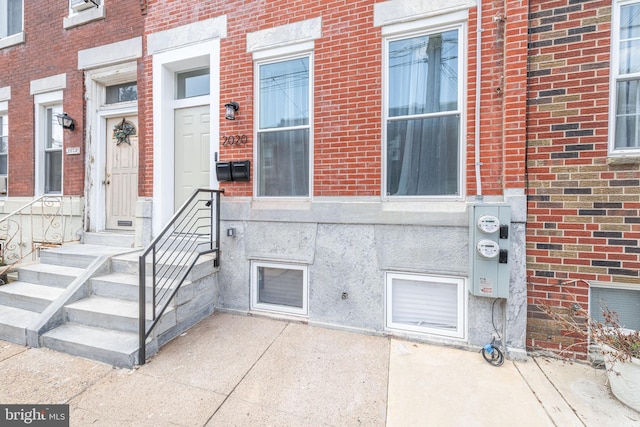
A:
12,40
83,17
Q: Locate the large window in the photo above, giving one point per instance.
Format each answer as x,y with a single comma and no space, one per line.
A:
4,153
626,75
10,17
279,287
423,111
284,129
427,304
52,151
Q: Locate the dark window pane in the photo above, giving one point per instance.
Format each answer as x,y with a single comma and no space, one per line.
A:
627,114
122,93
14,17
423,156
53,171
284,163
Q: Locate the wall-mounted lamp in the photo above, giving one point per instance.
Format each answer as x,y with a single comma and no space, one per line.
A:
66,121
230,110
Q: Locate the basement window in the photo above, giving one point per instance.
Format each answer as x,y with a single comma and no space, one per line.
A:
625,302
425,304
281,288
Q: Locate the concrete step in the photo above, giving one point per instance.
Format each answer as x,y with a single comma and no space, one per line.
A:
28,296
109,313
112,313
125,286
119,239
49,274
116,285
116,348
78,255
14,322
128,263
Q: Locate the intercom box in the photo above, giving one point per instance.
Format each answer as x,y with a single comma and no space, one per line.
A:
489,242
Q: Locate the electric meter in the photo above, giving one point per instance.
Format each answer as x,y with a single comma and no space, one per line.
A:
488,248
488,223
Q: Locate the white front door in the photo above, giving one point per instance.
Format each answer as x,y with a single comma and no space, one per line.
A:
121,172
191,152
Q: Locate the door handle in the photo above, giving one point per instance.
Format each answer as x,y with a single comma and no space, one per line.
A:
107,181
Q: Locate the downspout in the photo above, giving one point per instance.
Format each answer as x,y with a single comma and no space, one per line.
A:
479,30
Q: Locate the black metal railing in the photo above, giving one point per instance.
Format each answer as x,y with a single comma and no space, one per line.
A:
165,264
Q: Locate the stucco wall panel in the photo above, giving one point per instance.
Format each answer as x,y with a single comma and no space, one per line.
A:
346,262
423,249
290,242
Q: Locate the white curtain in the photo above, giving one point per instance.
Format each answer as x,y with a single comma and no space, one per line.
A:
422,152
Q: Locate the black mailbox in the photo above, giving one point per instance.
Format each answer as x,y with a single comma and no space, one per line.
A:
240,171
223,171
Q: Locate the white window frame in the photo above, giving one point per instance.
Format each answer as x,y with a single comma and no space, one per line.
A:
405,30
274,308
458,333
614,78
86,12
4,115
274,56
42,102
7,40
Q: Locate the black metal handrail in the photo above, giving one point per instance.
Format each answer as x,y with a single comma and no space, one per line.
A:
193,231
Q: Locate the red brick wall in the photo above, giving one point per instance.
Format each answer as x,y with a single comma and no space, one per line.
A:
348,90
50,50
583,220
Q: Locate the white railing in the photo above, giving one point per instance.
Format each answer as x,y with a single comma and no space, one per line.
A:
47,221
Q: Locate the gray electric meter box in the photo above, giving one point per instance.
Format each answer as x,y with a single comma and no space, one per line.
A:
489,241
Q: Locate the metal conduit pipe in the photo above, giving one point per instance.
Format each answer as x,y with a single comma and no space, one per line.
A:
478,95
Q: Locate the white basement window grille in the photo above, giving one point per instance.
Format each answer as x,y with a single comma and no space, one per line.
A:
280,288
425,304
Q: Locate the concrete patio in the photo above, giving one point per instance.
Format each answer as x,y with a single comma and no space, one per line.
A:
232,370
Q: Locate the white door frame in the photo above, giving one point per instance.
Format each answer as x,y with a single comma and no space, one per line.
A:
96,135
165,66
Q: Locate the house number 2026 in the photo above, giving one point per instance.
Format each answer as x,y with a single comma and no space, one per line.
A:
234,140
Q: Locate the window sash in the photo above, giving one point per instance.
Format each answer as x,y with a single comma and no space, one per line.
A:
284,127
53,151
625,106
423,115
4,145
279,288
425,304
10,17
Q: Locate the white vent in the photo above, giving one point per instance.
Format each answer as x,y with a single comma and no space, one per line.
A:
78,5
3,185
